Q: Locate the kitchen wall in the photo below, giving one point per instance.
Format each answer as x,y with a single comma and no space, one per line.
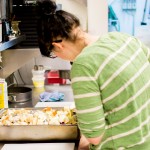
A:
97,17
78,8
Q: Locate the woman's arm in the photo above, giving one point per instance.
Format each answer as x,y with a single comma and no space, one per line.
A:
84,142
96,140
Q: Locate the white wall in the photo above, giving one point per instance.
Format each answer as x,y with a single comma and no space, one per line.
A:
93,15
97,17
76,7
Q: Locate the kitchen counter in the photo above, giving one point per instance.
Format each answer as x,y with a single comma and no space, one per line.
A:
66,89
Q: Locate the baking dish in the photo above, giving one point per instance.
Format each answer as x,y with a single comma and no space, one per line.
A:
19,94
37,132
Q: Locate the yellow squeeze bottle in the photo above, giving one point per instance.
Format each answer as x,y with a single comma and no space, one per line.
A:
3,94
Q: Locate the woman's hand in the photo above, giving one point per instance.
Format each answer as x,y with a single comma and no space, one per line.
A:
83,144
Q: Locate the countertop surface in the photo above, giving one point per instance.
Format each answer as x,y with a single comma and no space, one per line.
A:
66,89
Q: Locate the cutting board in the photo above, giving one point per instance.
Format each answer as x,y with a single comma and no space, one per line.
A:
55,104
39,146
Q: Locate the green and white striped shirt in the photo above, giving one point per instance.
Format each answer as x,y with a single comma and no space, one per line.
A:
111,86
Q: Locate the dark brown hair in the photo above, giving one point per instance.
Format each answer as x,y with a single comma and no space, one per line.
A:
53,23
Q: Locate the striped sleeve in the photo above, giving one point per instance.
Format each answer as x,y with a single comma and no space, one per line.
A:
146,51
87,97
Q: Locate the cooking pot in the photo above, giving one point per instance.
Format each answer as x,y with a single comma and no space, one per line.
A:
19,94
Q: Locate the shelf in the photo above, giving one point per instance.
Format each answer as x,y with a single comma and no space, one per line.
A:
12,42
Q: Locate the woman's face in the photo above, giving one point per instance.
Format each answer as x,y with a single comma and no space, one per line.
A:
69,49
64,50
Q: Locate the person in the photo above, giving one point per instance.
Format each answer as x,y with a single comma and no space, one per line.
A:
110,78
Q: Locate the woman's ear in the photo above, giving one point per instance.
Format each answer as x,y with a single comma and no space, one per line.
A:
58,45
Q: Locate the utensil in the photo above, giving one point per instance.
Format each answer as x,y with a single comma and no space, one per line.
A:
19,94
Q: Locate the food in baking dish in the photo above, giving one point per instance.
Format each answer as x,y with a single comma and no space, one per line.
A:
45,116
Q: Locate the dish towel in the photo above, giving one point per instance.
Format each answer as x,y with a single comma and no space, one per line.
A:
51,96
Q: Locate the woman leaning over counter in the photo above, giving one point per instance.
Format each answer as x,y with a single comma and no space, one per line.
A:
110,80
